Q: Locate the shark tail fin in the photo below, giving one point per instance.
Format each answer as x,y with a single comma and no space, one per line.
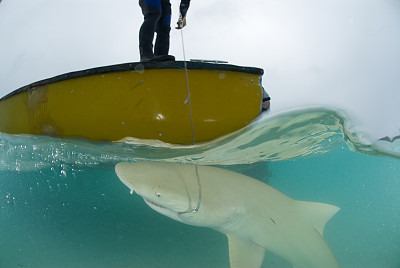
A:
318,214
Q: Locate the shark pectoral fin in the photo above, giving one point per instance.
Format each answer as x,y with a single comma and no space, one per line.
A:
318,214
244,254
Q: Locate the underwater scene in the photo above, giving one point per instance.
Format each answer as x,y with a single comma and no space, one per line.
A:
63,205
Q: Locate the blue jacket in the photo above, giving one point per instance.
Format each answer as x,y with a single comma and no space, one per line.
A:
184,6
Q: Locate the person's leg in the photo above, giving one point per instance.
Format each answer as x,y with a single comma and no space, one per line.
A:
163,29
151,10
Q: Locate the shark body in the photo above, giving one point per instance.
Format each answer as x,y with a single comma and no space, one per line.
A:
254,216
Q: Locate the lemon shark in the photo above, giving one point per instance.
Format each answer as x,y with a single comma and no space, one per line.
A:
254,216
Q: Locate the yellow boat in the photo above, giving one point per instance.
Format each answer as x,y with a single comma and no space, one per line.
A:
141,100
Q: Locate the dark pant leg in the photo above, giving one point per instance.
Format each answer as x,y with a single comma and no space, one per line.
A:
163,29
151,10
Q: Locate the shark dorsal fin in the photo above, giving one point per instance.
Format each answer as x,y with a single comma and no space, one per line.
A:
318,214
244,253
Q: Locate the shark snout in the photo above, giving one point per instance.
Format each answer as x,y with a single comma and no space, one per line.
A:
128,174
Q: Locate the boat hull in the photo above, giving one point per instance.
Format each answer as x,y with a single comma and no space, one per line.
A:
137,100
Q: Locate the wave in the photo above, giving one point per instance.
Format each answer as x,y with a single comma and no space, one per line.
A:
284,136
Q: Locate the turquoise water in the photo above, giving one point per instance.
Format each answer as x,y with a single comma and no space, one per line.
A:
61,204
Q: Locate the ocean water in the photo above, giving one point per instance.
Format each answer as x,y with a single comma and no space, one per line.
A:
62,205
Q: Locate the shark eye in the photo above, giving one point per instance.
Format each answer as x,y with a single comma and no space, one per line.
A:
158,194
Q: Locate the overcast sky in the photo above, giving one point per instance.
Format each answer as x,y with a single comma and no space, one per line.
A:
342,53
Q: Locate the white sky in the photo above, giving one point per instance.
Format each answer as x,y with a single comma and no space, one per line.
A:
342,53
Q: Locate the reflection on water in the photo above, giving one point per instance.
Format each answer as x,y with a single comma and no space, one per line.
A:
62,205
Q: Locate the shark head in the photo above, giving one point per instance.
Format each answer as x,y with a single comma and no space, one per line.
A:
169,191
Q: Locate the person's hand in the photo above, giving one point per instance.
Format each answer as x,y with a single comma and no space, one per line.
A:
181,22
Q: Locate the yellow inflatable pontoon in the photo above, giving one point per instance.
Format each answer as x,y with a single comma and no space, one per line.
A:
140,100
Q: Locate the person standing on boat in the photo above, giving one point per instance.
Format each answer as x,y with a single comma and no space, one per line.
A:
157,19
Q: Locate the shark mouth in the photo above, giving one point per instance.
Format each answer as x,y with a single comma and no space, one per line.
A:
155,204
169,213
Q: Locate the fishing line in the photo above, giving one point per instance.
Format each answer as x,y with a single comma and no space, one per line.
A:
195,209
187,86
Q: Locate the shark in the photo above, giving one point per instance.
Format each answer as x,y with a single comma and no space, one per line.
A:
254,216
